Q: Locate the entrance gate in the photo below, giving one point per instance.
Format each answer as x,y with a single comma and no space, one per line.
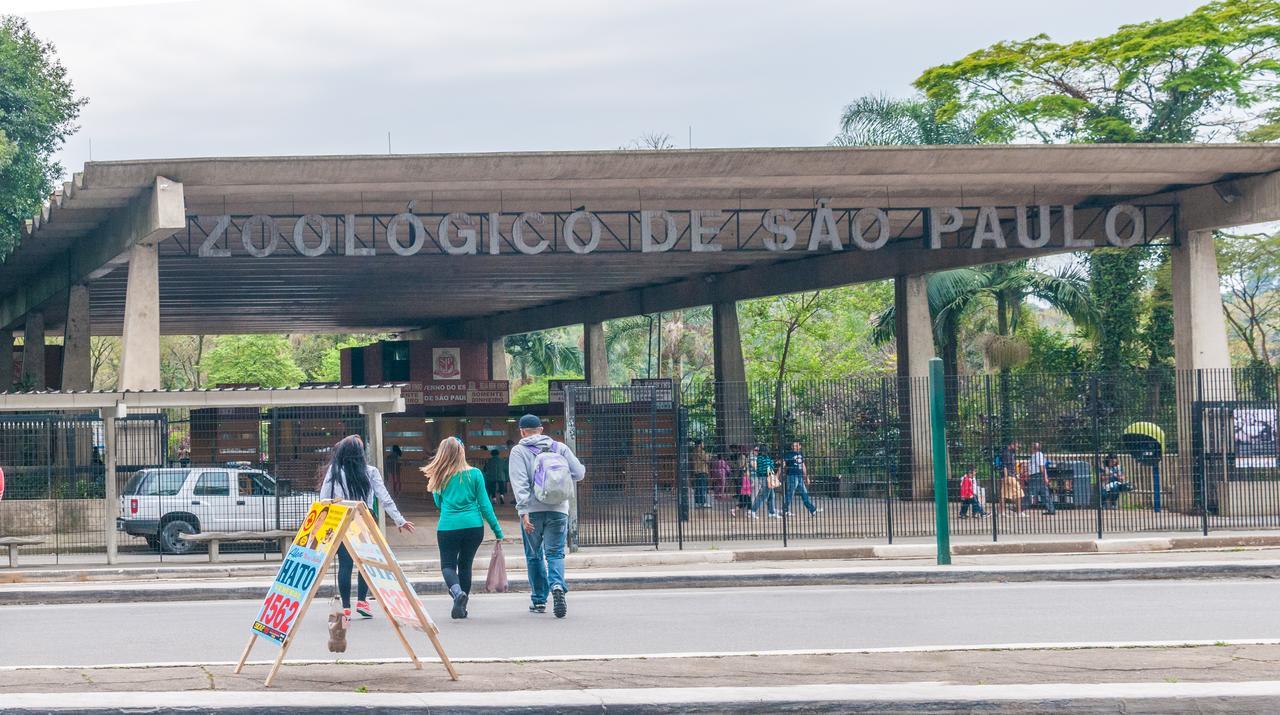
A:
626,437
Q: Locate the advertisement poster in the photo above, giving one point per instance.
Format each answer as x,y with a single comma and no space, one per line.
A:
297,575
1255,438
369,544
446,363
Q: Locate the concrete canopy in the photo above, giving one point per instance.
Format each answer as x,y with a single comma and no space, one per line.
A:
491,295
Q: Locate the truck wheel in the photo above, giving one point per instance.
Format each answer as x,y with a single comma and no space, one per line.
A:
170,540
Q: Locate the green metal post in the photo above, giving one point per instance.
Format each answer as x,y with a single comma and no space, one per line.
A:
938,427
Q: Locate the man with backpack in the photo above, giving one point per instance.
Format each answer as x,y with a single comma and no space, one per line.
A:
543,473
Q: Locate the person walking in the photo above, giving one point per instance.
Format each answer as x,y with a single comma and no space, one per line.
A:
797,481
350,477
495,476
700,465
742,479
762,470
719,476
393,469
465,507
969,494
1038,482
545,526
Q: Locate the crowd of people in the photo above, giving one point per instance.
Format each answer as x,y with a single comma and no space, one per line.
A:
750,479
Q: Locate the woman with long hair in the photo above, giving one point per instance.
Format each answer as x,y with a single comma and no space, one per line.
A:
350,477
458,489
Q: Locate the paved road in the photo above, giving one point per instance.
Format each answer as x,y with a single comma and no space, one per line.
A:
695,620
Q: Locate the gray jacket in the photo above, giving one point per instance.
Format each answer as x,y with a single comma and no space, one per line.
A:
521,472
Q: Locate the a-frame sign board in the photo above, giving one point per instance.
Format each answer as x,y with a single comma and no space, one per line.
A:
314,548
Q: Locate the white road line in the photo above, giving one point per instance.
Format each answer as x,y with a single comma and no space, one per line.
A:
917,692
1069,645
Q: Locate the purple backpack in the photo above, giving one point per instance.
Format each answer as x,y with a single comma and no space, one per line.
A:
552,480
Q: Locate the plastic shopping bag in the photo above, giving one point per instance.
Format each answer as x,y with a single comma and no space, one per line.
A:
496,581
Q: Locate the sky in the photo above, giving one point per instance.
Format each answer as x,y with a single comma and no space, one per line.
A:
170,79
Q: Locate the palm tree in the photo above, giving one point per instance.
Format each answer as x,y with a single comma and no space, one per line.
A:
541,354
882,121
956,293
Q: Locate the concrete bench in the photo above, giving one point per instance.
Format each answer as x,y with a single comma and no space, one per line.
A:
214,538
13,542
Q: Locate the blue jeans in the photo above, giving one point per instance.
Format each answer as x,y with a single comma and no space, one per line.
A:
701,482
763,492
544,553
795,483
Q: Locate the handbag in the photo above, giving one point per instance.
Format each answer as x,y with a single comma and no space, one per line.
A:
496,580
745,488
773,480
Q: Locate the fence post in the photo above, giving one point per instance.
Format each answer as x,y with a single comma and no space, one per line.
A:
890,455
938,428
109,482
571,439
994,502
1095,410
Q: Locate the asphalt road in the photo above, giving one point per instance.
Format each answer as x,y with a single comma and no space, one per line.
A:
675,621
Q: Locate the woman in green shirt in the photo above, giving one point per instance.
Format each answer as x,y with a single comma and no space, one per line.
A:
458,489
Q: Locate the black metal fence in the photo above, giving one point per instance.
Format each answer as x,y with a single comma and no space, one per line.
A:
1079,453
177,473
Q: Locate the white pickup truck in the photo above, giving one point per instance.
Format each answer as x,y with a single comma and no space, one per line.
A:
160,504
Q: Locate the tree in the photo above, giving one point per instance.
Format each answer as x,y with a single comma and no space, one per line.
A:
1191,78
180,358
38,108
104,362
1252,308
650,141
881,121
1004,288
543,353
1159,81
264,360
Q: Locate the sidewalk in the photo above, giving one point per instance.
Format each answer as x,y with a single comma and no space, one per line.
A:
693,573
421,560
1235,678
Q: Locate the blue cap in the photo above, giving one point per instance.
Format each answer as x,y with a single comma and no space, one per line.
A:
530,422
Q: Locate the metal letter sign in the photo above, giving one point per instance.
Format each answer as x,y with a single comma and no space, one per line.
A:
820,229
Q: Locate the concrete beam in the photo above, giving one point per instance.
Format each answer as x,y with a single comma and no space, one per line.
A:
1199,328
157,214
726,343
140,343
1227,204
595,358
733,404
914,334
77,370
498,359
6,360
33,351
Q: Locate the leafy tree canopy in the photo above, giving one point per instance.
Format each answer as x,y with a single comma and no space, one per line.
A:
38,108
265,360
1159,81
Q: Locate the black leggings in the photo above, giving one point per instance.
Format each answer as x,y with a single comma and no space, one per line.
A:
457,552
345,565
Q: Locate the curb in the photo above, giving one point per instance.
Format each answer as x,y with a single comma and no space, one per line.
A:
1219,697
707,579
670,558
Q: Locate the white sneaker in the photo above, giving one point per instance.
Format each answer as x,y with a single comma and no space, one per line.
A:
775,516
815,511
753,515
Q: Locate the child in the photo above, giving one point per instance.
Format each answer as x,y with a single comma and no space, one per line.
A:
969,494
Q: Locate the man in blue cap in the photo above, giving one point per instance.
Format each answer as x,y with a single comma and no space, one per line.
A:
545,525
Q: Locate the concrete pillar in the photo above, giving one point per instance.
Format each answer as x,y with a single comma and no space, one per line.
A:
6,360
595,358
375,454
140,345
498,359
1201,358
1199,328
77,372
914,331
733,408
33,350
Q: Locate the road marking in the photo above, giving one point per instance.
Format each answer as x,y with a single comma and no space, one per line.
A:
543,700
1069,645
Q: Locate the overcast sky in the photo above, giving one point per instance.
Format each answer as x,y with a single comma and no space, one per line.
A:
265,77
